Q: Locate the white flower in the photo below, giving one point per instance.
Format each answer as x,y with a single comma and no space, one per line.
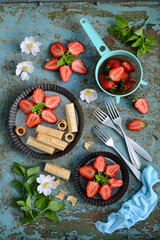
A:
89,95
46,184
23,68
30,46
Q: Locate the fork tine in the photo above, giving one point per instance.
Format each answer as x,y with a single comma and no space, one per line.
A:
115,108
98,117
109,109
104,114
97,133
105,138
104,135
100,114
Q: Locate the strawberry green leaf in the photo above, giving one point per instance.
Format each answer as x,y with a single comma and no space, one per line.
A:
121,22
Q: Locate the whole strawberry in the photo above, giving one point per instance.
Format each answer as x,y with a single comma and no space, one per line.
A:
141,105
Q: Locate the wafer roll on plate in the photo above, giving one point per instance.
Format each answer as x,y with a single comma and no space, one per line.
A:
71,117
31,141
50,131
57,171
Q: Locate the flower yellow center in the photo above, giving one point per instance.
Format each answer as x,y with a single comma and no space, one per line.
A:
25,68
30,46
88,92
45,185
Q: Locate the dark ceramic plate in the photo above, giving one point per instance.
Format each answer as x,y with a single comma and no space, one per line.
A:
17,117
80,182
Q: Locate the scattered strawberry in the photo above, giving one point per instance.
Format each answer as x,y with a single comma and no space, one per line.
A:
116,74
78,66
114,63
128,67
26,105
38,96
105,192
115,182
126,76
105,83
65,72
100,163
57,49
49,116
87,171
76,48
141,105
52,64
52,101
33,120
111,170
92,188
128,84
136,125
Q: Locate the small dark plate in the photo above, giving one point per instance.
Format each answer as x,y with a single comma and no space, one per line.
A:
17,118
80,182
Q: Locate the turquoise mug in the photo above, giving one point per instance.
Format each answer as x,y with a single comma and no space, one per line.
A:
106,55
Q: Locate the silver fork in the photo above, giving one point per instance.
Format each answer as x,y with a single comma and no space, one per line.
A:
109,142
114,115
105,119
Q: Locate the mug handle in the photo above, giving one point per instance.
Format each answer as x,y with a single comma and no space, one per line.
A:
143,82
94,37
118,99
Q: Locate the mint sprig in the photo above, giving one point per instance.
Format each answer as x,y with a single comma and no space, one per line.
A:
66,59
102,178
37,108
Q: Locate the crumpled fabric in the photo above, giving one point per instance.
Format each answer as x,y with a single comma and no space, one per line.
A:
135,210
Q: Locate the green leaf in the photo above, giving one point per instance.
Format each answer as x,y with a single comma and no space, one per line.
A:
51,216
150,40
138,32
132,38
55,206
125,35
61,62
29,201
42,202
38,107
147,48
28,218
32,170
69,59
121,22
26,208
31,179
17,184
28,188
137,43
114,30
19,169
141,51
34,188
15,200
21,203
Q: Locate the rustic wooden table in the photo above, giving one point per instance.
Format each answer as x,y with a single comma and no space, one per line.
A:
48,22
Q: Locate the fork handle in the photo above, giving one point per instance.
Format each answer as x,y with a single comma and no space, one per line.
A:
135,171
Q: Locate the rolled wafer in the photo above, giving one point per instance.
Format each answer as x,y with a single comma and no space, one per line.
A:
31,141
50,131
57,171
71,117
51,141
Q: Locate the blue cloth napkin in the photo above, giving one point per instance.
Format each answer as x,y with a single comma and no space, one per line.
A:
135,210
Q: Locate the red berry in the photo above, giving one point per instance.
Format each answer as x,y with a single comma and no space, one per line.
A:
57,49
126,76
92,188
105,83
141,105
128,67
114,63
105,192
76,48
33,120
26,105
128,84
111,170
52,64
116,74
136,125
49,116
100,163
65,72
38,96
87,171
115,182
79,67
52,101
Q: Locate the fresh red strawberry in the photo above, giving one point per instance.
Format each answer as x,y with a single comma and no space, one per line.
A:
114,63
38,96
128,84
52,64
100,163
128,67
105,83
87,171
136,125
111,170
49,116
65,72
26,105
79,67
141,105
116,74
92,188
105,192
76,48
115,182
57,49
52,101
32,120
126,76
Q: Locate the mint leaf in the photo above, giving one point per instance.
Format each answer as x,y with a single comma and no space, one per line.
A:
125,35
17,184
21,203
19,169
61,62
132,38
151,41
147,48
121,22
32,170
69,59
31,179
29,201
55,206
26,208
141,51
42,202
114,30
28,188
137,43
34,189
138,32
15,200
51,216
38,107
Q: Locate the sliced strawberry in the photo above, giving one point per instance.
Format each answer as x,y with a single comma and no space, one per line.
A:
126,76
111,170
65,72
141,105
52,101
92,188
33,120
100,163
52,64
115,182
114,63
38,96
76,48
26,105
116,73
136,125
49,116
105,192
79,67
57,49
128,67
128,84
87,171
105,83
